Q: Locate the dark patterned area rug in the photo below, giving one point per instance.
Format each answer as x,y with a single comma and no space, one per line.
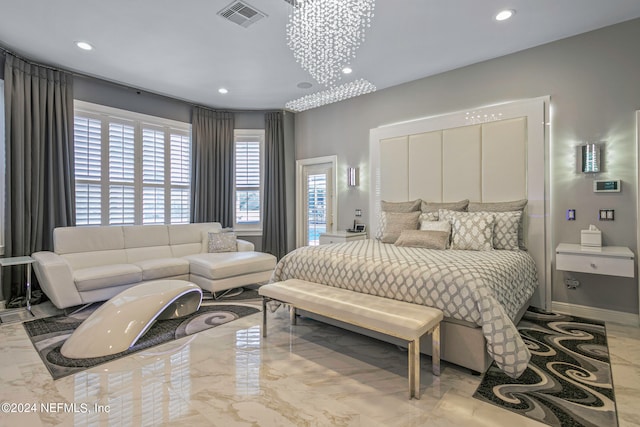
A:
568,381
49,334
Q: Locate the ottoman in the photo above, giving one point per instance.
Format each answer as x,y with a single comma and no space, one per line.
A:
120,322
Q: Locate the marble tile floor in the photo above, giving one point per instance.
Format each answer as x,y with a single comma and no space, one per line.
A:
311,374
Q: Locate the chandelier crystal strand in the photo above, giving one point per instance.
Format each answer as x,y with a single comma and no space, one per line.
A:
334,94
324,35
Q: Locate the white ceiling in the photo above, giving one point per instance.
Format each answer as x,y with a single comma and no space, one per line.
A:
182,49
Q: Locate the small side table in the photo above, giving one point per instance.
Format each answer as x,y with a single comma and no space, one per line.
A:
26,261
341,237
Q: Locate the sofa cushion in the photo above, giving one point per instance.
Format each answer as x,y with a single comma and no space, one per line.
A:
186,249
141,254
81,260
105,276
68,240
190,233
228,264
165,267
143,236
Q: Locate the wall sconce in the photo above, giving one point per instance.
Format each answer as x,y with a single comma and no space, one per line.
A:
590,158
353,177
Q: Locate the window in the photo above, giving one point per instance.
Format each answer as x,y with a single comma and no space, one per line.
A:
249,148
130,168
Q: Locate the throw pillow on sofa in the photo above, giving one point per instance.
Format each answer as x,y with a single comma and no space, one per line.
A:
223,241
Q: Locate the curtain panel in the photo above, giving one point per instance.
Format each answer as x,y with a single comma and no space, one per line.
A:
40,180
212,192
274,228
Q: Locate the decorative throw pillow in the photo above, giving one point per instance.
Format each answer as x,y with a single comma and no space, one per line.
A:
505,230
429,217
430,209
411,206
427,239
470,231
396,222
223,242
511,206
442,226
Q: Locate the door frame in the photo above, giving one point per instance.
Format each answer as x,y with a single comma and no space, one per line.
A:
300,188
638,203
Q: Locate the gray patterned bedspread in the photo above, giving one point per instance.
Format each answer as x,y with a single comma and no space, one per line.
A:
487,288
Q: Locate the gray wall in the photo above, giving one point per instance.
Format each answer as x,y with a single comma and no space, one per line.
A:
594,84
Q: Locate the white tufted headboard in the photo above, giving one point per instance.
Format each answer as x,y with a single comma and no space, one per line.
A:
489,154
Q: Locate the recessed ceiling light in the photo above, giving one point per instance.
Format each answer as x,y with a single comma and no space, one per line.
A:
505,14
84,45
347,70
223,90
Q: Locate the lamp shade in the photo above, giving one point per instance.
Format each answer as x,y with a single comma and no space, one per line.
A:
353,177
590,158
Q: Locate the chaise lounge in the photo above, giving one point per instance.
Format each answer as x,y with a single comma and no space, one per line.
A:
90,264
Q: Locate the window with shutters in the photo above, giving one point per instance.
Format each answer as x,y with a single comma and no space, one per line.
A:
130,168
249,148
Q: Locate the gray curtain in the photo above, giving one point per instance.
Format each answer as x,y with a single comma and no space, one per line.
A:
212,193
274,227
40,181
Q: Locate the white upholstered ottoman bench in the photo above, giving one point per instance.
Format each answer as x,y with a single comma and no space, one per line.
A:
391,317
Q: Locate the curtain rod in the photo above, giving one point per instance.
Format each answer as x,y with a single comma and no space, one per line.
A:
87,76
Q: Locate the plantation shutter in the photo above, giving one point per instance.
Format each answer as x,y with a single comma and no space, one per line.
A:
152,173
180,178
88,158
121,171
247,177
130,168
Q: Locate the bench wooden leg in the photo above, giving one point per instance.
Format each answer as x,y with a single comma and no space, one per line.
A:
435,345
414,369
292,315
264,317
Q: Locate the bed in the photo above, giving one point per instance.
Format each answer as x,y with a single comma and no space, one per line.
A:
495,157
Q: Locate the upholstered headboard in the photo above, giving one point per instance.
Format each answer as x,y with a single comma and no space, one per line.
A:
488,154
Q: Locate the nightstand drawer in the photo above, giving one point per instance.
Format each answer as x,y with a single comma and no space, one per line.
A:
595,264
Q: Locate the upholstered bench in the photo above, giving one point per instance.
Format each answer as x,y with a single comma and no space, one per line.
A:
391,317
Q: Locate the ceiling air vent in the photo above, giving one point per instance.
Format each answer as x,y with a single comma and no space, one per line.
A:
241,13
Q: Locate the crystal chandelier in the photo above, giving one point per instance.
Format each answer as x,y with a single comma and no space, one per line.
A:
325,34
334,94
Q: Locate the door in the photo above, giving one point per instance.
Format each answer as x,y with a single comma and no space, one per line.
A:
316,199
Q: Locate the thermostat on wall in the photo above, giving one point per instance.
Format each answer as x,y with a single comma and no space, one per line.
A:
607,186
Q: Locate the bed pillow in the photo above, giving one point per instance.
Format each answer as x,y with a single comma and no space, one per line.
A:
223,242
442,226
396,222
411,206
470,230
511,206
427,239
505,230
430,209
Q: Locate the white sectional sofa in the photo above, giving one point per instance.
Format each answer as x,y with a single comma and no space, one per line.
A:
90,264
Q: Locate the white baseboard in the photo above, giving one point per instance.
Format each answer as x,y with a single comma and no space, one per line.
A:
596,313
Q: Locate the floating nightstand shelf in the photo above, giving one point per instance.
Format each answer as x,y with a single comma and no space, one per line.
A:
608,260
